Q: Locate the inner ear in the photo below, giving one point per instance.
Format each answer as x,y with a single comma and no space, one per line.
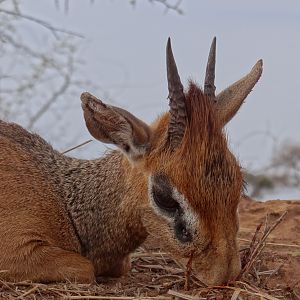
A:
114,125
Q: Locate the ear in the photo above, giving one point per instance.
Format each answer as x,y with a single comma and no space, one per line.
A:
230,100
113,125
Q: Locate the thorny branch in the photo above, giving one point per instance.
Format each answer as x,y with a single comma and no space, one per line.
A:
258,244
34,78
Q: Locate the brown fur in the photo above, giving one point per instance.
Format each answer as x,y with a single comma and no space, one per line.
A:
63,218
207,174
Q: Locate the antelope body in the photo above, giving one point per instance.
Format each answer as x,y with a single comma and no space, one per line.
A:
63,218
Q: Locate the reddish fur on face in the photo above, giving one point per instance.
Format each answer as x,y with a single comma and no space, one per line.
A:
202,168
205,172
205,156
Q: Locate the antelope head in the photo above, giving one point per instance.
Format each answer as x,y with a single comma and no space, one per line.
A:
188,179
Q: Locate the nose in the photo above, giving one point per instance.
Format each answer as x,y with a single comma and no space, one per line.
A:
219,269
234,267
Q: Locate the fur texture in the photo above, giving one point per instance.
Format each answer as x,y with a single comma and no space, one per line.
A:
64,218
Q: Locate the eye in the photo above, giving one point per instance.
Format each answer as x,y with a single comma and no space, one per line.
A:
164,201
162,194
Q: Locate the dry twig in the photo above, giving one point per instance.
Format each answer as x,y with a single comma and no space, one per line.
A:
257,245
77,146
187,284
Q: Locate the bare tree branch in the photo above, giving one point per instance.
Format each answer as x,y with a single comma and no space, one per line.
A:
175,6
54,30
34,78
168,6
46,106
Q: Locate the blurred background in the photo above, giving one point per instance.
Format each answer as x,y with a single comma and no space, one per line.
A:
52,50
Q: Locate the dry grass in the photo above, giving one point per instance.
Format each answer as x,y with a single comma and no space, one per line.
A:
155,275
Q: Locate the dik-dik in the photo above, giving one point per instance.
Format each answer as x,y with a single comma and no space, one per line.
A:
63,218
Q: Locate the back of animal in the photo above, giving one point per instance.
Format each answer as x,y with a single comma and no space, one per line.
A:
31,212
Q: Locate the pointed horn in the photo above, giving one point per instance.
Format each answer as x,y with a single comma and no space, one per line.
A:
230,99
178,115
209,83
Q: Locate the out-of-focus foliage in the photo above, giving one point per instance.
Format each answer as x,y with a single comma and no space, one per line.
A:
283,171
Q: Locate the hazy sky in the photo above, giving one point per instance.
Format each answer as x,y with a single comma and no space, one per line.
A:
124,52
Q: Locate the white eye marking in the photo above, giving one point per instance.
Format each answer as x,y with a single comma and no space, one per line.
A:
189,215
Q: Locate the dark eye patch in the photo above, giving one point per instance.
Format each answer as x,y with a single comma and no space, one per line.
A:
162,194
181,231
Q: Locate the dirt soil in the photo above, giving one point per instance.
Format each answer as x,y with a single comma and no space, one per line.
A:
283,248
155,275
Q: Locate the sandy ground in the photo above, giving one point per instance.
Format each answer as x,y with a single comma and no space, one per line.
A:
155,275
283,249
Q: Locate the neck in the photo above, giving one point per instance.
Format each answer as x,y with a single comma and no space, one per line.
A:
103,205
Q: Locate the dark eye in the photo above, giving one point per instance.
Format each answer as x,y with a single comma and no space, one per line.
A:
162,193
164,201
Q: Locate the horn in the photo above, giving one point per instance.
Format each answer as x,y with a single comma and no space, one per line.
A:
178,115
209,83
229,100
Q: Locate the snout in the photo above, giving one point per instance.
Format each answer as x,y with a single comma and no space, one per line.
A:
218,268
